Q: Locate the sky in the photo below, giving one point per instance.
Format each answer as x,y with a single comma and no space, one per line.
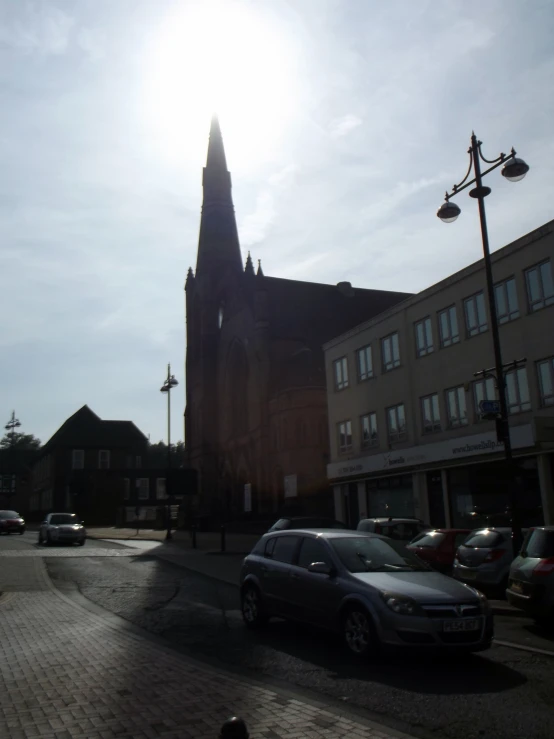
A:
344,122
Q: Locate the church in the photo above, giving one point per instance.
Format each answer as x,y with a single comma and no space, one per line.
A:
256,427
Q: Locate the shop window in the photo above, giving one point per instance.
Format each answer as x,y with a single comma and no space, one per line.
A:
424,337
448,326
396,422
483,390
430,413
456,407
369,430
540,286
345,435
365,363
517,391
506,300
341,373
390,352
545,371
476,314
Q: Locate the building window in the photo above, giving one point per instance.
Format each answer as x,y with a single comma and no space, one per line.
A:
517,391
365,363
341,373
126,488
424,337
540,286
390,351
476,314
138,462
506,300
456,407
160,488
143,488
78,459
430,413
396,422
104,459
546,381
369,430
345,435
483,390
448,325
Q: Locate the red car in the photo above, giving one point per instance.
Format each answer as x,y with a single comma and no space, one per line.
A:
437,547
11,521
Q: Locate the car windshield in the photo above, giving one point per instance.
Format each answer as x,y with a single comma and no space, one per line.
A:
539,544
63,518
9,514
429,539
371,554
484,539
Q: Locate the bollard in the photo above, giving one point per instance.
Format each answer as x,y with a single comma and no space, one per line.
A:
223,538
234,728
193,529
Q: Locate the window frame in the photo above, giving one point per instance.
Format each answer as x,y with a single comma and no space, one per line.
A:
485,382
436,425
372,441
545,302
519,405
340,384
346,447
453,338
542,396
510,315
481,328
427,348
140,495
369,374
395,361
100,453
462,421
73,458
126,488
318,544
397,436
161,494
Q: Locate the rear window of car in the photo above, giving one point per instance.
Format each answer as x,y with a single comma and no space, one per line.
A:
484,539
539,544
285,548
429,540
63,518
282,523
366,526
9,514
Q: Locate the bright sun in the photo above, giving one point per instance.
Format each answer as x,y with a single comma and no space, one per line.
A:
221,56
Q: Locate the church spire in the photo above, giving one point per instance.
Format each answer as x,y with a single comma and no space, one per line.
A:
218,243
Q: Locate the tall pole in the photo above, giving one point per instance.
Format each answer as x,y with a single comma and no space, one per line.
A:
168,535
480,192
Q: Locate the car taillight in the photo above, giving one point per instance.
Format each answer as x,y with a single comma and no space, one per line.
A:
493,555
545,567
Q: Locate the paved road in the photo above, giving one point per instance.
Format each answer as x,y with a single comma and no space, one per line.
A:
67,672
505,694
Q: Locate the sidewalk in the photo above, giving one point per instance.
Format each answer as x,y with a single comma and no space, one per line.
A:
206,541
67,672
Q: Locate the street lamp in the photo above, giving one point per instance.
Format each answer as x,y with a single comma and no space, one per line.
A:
169,382
514,169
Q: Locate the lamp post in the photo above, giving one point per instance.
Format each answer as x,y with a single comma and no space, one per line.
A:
514,169
11,427
169,382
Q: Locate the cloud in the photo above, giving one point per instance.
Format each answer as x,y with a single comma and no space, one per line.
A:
92,43
43,29
342,126
255,226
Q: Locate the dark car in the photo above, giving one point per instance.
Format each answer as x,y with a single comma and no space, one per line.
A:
437,547
10,521
399,529
531,580
306,522
369,588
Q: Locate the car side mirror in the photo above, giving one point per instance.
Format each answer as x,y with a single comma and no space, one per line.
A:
322,568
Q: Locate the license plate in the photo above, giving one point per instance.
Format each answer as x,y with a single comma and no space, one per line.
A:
517,587
469,575
461,625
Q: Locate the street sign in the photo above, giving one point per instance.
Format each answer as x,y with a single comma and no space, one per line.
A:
489,407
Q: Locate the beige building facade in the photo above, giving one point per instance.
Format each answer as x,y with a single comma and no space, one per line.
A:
407,433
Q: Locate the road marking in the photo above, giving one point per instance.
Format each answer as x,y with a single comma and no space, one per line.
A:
524,647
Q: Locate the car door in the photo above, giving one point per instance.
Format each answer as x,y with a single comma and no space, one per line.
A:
44,527
314,596
275,573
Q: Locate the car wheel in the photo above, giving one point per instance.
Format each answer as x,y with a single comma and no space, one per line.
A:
253,611
82,543
359,632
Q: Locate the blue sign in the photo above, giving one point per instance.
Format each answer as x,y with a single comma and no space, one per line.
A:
489,407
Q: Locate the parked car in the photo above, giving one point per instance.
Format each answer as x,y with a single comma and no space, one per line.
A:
437,547
400,529
62,527
485,557
306,522
371,589
531,581
11,521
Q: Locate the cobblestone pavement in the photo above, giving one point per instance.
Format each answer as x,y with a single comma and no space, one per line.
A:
66,672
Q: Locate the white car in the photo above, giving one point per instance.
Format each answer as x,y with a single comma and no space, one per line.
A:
62,527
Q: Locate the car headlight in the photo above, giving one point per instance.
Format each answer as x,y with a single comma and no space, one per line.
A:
401,604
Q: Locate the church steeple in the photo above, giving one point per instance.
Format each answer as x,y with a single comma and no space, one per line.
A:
218,243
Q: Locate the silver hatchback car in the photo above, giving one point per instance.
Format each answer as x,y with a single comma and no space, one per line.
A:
485,557
370,588
62,527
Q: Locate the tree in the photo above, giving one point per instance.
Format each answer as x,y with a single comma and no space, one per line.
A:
18,440
157,454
